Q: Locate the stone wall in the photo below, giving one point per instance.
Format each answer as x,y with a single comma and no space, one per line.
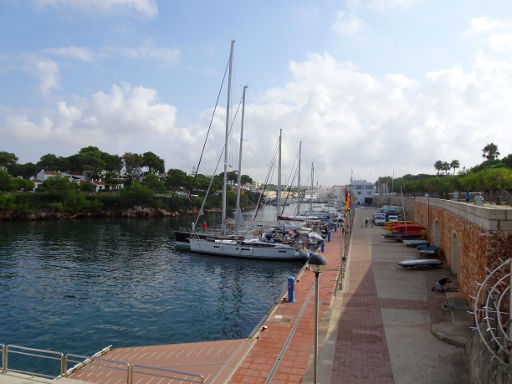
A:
473,240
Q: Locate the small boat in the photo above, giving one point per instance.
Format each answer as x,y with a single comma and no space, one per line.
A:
414,242
427,249
420,263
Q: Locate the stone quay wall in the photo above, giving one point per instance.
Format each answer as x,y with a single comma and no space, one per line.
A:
467,236
474,240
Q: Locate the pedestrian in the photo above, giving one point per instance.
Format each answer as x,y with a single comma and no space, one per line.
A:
441,285
479,200
204,225
366,223
468,197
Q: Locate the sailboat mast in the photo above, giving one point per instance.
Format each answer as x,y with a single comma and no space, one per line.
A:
278,195
238,212
298,180
224,187
312,187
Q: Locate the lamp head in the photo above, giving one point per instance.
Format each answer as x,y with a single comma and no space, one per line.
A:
316,262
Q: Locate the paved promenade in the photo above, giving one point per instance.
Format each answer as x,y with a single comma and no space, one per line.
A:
384,328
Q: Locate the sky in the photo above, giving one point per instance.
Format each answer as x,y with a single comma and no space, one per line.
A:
371,88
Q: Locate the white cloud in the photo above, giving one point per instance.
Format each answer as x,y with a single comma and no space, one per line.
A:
146,51
146,8
347,24
78,53
382,5
124,115
46,70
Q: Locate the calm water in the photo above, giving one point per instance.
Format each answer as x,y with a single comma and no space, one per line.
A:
78,286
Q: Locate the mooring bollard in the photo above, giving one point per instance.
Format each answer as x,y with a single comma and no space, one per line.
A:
322,246
291,289
329,236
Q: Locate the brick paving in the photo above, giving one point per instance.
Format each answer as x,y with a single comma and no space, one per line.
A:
259,366
361,354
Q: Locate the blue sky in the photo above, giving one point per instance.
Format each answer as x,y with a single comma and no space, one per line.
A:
371,86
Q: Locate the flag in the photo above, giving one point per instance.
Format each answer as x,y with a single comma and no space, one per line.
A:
347,201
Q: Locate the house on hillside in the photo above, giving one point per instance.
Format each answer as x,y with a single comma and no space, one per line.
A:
78,178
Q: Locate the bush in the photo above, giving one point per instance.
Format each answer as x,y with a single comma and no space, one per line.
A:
7,202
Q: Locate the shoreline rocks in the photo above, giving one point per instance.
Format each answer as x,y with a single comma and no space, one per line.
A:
133,212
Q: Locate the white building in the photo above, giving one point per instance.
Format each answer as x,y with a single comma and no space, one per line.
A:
362,192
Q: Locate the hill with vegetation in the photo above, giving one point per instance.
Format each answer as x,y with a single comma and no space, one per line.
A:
133,184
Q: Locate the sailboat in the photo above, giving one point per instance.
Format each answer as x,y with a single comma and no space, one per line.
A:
268,247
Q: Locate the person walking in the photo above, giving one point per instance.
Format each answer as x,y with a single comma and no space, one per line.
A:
479,200
468,197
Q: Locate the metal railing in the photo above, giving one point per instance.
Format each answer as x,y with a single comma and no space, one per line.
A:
32,352
4,355
184,376
96,361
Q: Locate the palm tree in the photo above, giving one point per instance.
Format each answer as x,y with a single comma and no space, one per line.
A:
454,164
438,165
490,151
446,167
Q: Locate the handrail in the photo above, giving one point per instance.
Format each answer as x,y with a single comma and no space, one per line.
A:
200,377
4,356
25,351
88,360
95,360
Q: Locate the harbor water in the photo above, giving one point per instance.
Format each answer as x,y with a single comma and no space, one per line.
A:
77,286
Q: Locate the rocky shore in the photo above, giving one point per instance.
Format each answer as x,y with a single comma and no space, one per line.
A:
128,213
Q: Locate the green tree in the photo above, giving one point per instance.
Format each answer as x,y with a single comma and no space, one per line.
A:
59,186
7,202
91,160
152,181
454,164
245,179
136,194
132,164
438,165
177,179
6,182
26,170
87,186
23,185
113,163
50,162
507,161
7,161
153,163
446,167
490,151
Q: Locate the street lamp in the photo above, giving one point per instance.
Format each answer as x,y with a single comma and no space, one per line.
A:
316,263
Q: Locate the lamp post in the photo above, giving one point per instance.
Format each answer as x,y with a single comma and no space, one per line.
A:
316,263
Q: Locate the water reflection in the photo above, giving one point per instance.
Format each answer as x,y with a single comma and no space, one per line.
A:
77,286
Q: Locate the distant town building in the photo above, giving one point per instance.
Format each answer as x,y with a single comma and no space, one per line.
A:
338,191
362,192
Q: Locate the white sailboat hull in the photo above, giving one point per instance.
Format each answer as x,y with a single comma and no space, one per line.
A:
269,251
